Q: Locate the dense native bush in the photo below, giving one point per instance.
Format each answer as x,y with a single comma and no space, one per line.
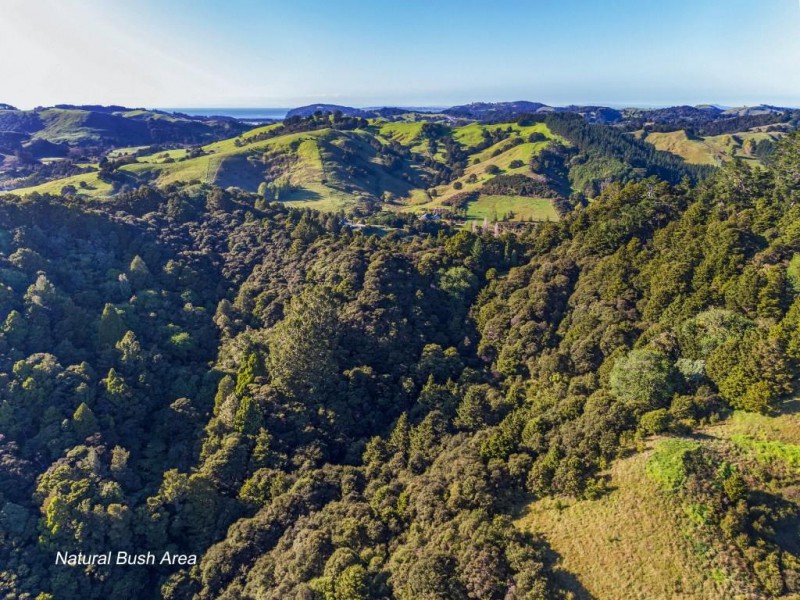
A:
318,413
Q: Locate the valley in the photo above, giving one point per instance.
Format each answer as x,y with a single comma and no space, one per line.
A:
341,357
361,163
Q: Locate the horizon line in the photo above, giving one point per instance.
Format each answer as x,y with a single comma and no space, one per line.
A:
436,105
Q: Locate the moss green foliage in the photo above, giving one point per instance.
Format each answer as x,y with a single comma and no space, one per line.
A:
667,465
644,379
771,451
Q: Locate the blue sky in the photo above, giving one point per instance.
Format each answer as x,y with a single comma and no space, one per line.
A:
197,53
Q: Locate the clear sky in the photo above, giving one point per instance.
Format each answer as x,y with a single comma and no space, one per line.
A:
270,53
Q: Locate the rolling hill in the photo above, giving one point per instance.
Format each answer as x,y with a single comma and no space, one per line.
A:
310,109
528,169
336,157
750,146
709,118
599,407
31,141
113,126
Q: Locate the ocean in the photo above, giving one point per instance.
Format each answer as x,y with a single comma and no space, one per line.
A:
263,114
245,114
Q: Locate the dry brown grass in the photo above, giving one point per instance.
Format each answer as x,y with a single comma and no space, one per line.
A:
638,541
697,152
635,542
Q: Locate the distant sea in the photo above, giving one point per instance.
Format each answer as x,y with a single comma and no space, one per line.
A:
263,114
245,114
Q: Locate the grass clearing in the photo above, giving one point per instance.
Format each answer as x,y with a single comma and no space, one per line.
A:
477,171
229,145
332,202
768,439
784,427
418,196
472,135
119,152
406,133
793,271
693,151
641,540
522,208
95,188
635,542
711,150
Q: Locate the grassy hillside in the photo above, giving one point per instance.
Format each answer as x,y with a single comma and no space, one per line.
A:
511,208
89,126
642,540
329,169
220,162
510,155
405,133
471,135
609,544
407,165
695,151
712,150
55,144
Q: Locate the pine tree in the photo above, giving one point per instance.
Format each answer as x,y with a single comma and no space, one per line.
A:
84,422
111,327
139,273
248,417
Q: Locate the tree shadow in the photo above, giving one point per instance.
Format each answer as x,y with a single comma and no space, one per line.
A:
787,523
565,580
789,407
562,578
699,436
302,194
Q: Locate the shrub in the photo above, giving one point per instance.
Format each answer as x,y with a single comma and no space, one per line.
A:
654,421
645,379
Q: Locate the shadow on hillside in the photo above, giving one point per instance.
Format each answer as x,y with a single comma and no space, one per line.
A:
302,194
237,171
786,528
564,579
790,407
698,436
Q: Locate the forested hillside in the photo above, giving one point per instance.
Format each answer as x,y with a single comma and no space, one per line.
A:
317,413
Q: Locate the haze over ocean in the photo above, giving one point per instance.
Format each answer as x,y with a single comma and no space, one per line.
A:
246,114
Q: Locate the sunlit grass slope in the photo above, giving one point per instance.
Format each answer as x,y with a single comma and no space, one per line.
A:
638,540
